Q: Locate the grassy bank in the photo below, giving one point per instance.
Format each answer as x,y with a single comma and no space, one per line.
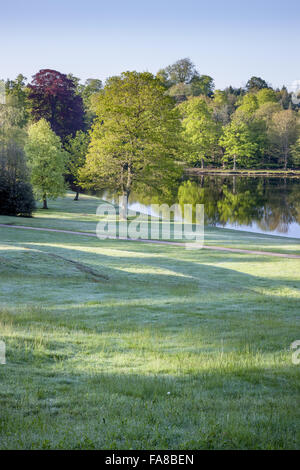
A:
115,344
65,214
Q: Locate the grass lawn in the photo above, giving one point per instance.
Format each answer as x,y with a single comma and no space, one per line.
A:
125,345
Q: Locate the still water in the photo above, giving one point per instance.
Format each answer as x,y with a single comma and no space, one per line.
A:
257,204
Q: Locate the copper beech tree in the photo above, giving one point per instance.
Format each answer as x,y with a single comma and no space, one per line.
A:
53,97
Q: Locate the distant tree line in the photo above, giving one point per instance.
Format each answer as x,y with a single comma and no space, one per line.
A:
56,132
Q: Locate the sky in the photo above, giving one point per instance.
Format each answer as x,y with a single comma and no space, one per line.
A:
229,40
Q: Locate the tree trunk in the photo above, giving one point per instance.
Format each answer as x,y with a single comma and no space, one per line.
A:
77,196
285,159
124,206
45,205
202,163
234,162
126,187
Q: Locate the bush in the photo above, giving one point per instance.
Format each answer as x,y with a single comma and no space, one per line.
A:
16,196
16,199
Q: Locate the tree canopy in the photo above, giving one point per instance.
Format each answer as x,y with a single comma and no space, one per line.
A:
52,96
136,135
47,161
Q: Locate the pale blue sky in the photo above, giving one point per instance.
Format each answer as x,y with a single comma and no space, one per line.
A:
229,40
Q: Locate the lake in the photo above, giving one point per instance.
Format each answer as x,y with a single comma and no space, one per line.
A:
269,205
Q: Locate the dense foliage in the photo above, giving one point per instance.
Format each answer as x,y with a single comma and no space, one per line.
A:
47,161
135,138
16,196
52,97
130,131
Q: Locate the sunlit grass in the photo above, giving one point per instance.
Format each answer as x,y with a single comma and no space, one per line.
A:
114,344
66,214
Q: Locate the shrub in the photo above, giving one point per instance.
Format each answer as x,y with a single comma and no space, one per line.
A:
16,196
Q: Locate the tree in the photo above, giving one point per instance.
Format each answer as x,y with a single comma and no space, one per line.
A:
181,71
266,111
180,91
163,76
53,97
90,87
11,129
200,130
235,91
77,147
135,137
248,104
284,130
238,144
223,106
202,85
285,98
16,196
295,152
183,80
255,84
47,161
266,95
16,96
86,91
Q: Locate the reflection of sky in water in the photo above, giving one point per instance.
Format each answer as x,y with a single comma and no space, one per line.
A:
292,232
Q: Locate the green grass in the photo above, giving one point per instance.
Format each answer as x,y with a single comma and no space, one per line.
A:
65,214
125,345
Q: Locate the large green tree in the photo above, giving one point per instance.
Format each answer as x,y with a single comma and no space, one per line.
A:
238,143
47,161
256,83
200,130
182,71
183,80
136,135
283,134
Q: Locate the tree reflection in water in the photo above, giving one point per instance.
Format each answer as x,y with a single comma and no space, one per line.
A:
273,204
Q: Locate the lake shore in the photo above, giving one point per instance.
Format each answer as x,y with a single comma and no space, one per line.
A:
244,172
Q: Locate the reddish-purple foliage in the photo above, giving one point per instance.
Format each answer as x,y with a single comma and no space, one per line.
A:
53,97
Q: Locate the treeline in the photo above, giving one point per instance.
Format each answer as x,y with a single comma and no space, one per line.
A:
252,127
56,132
